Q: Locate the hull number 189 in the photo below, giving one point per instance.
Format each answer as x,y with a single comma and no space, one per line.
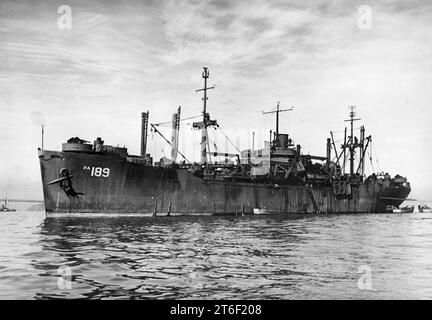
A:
98,171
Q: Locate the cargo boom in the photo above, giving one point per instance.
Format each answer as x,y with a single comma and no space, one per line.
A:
100,179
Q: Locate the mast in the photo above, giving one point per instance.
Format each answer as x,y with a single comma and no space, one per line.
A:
144,129
352,143
175,134
361,164
328,154
362,150
277,119
207,122
253,143
344,150
42,144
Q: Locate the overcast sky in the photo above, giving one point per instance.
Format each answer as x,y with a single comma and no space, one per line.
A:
123,57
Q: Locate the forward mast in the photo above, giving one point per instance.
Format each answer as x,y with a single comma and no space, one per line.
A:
206,122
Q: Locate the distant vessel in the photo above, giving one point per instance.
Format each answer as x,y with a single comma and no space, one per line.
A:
4,207
280,178
424,209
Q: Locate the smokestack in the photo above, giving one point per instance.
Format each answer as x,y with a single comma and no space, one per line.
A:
144,128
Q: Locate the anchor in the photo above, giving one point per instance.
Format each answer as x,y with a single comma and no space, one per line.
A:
66,184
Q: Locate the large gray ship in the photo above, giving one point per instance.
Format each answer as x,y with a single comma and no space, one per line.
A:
95,178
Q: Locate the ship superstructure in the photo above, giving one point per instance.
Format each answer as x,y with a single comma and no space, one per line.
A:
98,178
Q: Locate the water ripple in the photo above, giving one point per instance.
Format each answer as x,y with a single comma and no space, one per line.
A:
250,257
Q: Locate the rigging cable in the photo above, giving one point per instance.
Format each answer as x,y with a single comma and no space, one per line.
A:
370,151
213,143
226,137
376,159
371,162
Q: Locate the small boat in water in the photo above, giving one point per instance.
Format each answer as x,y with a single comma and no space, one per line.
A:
424,209
406,209
4,207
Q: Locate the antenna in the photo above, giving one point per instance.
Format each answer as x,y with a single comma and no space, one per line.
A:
277,111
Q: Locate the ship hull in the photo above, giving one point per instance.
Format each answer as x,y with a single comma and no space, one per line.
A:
111,185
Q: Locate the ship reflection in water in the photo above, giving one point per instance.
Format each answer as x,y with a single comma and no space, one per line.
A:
250,257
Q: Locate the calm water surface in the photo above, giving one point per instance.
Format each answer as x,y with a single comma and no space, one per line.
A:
250,257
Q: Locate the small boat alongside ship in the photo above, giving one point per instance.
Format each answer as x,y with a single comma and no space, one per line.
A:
405,209
423,208
259,211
